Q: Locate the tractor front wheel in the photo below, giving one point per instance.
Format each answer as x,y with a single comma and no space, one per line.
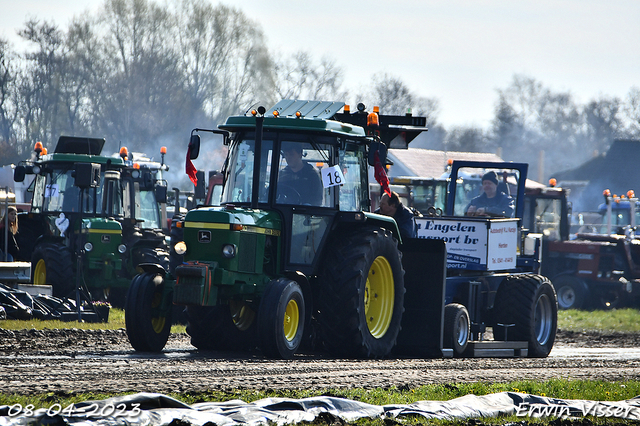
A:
52,264
571,291
148,313
281,318
224,327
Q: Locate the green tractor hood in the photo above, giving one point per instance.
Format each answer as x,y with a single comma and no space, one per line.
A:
247,220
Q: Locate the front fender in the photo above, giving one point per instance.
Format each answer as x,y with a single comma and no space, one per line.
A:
152,268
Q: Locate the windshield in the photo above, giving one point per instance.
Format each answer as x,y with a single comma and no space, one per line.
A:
301,171
486,192
56,192
147,209
305,170
239,184
546,220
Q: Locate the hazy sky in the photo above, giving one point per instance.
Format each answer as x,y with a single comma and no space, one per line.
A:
457,51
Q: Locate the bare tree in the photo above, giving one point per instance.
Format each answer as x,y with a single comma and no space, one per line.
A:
224,58
41,83
143,93
632,111
531,119
393,96
466,139
603,120
299,77
8,101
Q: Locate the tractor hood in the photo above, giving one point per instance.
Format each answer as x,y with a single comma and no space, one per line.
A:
259,221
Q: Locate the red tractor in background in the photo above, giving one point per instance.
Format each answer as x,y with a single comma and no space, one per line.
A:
588,270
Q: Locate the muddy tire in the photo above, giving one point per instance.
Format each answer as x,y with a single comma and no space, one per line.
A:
147,318
456,328
223,327
52,264
529,303
571,291
281,319
361,294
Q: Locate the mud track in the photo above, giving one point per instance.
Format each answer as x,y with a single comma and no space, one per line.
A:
72,361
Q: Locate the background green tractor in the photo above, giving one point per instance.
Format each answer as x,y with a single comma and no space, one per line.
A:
77,218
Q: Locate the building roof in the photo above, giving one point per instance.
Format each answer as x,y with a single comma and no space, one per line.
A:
429,163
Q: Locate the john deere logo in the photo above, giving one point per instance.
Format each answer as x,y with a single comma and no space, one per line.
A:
105,238
204,236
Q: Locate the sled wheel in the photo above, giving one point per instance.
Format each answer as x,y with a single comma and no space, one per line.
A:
53,265
148,313
281,319
456,328
529,303
361,294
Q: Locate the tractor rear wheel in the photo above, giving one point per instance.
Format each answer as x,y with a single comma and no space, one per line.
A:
147,314
52,263
361,294
223,327
529,303
456,328
281,319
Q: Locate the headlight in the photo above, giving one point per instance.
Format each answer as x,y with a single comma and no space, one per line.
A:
180,248
88,247
122,248
36,169
229,251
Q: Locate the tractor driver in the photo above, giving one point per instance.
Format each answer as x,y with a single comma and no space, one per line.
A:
299,182
491,202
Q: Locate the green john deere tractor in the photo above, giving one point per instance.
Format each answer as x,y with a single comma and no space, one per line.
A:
273,266
80,232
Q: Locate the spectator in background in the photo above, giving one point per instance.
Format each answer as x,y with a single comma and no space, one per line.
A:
390,205
8,233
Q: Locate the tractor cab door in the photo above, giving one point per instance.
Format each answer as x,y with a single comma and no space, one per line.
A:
305,180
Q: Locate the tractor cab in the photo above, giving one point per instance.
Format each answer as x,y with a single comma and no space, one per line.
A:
303,167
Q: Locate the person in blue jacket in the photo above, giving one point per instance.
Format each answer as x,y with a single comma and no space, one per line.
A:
390,205
491,202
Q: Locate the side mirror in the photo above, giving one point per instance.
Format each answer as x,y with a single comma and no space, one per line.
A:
87,175
161,193
19,174
194,147
381,149
200,192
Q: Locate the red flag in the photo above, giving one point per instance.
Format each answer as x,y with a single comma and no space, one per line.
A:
190,168
380,174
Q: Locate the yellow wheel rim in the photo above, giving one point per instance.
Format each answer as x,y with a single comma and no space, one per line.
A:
40,273
241,314
291,320
379,297
157,323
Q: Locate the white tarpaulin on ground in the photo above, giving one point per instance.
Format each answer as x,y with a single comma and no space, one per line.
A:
157,409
